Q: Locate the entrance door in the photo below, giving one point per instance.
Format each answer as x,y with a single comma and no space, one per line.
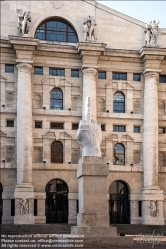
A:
56,202
119,204
1,203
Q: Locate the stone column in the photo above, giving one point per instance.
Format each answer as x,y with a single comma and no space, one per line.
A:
24,188
24,126
151,192
89,90
150,135
72,218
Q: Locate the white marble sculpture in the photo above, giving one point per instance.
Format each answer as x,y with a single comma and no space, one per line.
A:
23,22
151,34
153,208
89,29
89,134
24,206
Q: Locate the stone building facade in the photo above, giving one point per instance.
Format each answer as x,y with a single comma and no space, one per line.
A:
64,52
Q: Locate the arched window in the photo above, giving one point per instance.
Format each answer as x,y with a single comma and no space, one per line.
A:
56,98
119,103
119,154
56,201
56,152
56,30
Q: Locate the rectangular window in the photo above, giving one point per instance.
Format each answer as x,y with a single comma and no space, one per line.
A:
137,129
103,127
9,68
119,76
57,72
75,126
136,77
38,124
139,208
74,73
162,130
162,78
56,126
12,207
119,128
35,207
38,70
102,75
10,123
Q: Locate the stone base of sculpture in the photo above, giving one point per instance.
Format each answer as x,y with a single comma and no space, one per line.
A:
26,35
24,220
152,206
93,216
24,204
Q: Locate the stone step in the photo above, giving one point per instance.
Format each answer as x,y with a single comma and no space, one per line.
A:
36,229
134,229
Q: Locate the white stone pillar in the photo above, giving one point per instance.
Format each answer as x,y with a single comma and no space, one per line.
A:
89,90
72,200
150,134
24,126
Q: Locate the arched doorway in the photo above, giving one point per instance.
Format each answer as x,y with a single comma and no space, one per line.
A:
119,204
56,202
1,203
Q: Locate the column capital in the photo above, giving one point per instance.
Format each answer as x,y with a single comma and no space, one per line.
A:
152,73
89,71
24,67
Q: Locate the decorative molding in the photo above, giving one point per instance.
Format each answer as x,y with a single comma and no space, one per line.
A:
2,134
24,67
58,134
2,79
119,137
57,81
119,85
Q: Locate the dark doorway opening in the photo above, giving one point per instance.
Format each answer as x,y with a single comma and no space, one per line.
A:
1,203
119,204
56,202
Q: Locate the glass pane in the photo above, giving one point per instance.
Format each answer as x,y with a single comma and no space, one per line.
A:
102,75
57,30
162,79
119,76
75,73
38,70
136,77
119,156
9,68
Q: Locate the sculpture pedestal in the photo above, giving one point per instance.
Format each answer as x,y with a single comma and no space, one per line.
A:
93,216
24,191
149,195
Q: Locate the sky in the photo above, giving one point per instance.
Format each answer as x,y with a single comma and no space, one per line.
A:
144,11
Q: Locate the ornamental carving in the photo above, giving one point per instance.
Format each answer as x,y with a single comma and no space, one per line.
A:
153,208
23,22
24,206
151,34
89,25
24,67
